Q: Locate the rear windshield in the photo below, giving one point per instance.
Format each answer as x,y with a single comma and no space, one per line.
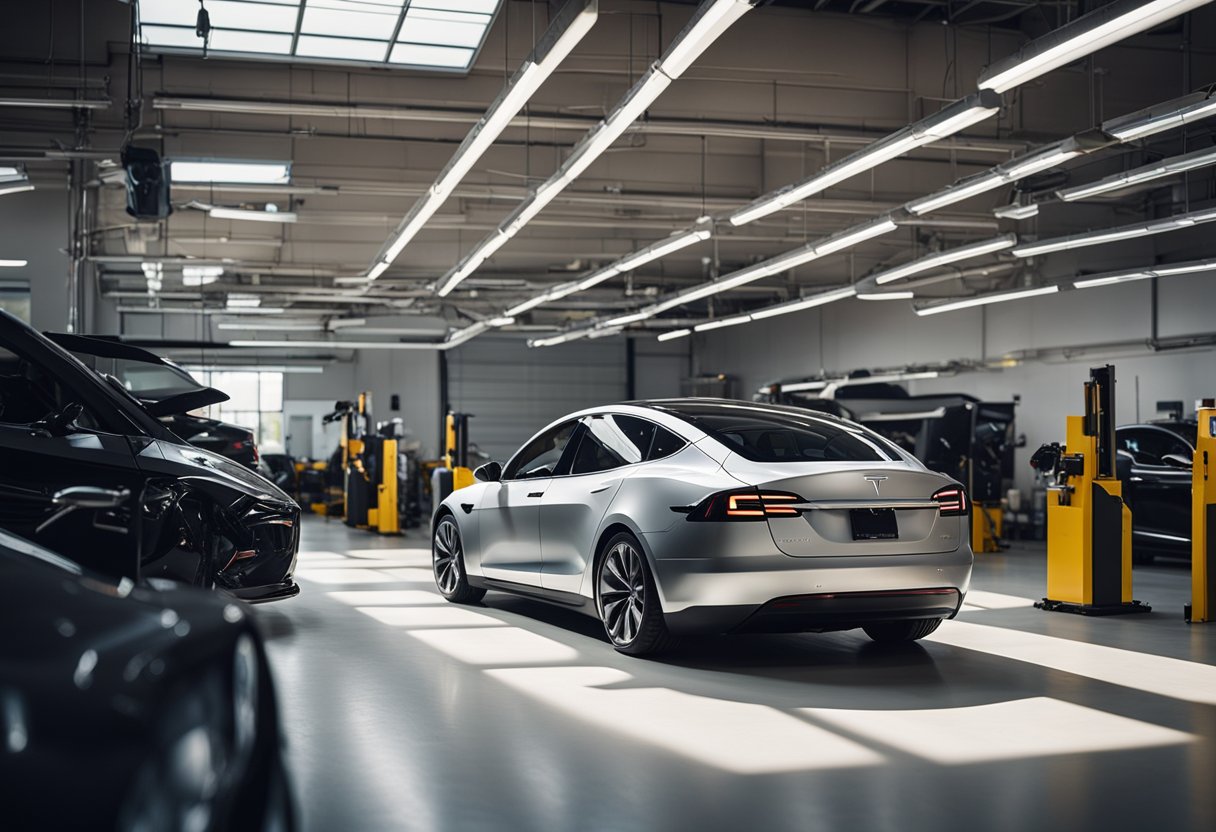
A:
771,435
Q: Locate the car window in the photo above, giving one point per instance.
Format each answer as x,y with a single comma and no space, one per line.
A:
1148,447
665,443
28,393
540,457
611,441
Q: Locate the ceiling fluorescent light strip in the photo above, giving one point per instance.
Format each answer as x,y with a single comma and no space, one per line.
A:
1161,117
952,255
568,28
341,345
1110,235
1011,171
221,213
957,116
673,334
1017,211
984,300
711,19
886,296
1085,35
1147,173
1165,270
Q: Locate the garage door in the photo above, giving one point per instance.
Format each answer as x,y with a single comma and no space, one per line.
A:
513,391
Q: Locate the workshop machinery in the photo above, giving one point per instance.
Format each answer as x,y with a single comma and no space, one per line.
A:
1203,518
1089,527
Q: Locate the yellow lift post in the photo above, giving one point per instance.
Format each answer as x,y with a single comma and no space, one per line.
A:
1203,520
454,473
1089,527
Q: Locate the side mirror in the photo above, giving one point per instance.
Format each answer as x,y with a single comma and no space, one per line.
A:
1177,461
490,472
82,496
87,496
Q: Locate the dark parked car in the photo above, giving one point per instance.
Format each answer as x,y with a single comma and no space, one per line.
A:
131,706
166,390
187,514
1156,474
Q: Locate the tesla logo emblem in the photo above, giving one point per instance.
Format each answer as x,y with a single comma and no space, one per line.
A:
874,481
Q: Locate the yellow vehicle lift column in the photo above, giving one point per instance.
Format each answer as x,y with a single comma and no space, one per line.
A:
1089,527
1203,521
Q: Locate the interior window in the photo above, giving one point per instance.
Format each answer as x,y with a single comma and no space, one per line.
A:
665,443
540,457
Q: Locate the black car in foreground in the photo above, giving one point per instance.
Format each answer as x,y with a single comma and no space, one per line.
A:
128,706
184,514
1155,467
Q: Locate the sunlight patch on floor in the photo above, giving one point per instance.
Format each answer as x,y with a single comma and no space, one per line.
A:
1035,727
387,597
739,737
487,646
984,600
430,616
1160,675
339,575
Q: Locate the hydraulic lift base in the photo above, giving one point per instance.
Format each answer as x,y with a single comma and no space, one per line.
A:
1092,609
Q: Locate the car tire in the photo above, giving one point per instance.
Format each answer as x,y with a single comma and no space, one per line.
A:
447,564
896,632
627,600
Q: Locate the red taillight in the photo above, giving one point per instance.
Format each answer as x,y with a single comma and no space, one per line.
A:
744,505
952,501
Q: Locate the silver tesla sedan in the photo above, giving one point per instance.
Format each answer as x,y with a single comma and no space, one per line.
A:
707,515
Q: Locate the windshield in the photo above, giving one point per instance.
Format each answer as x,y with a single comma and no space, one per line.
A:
771,434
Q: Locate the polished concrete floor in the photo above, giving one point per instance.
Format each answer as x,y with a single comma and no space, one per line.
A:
403,712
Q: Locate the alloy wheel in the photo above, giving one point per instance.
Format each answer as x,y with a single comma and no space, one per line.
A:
447,557
622,593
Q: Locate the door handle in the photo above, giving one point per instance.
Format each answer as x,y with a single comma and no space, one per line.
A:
604,486
536,493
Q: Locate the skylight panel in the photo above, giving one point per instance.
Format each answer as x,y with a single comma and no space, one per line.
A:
443,28
355,20
170,12
347,49
437,34
478,6
422,55
170,36
254,173
270,43
268,17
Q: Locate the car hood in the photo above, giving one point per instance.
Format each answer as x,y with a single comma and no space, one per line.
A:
182,459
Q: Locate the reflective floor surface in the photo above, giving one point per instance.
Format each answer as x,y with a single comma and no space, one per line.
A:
404,712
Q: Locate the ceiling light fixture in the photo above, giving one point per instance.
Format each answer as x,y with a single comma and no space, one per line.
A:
1011,171
567,30
1146,173
1165,270
984,300
805,303
886,295
673,334
271,214
1017,211
711,19
341,345
230,172
941,258
955,117
13,264
1161,117
721,323
1085,35
1110,235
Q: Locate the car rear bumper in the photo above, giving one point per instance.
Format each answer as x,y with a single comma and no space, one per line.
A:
820,612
